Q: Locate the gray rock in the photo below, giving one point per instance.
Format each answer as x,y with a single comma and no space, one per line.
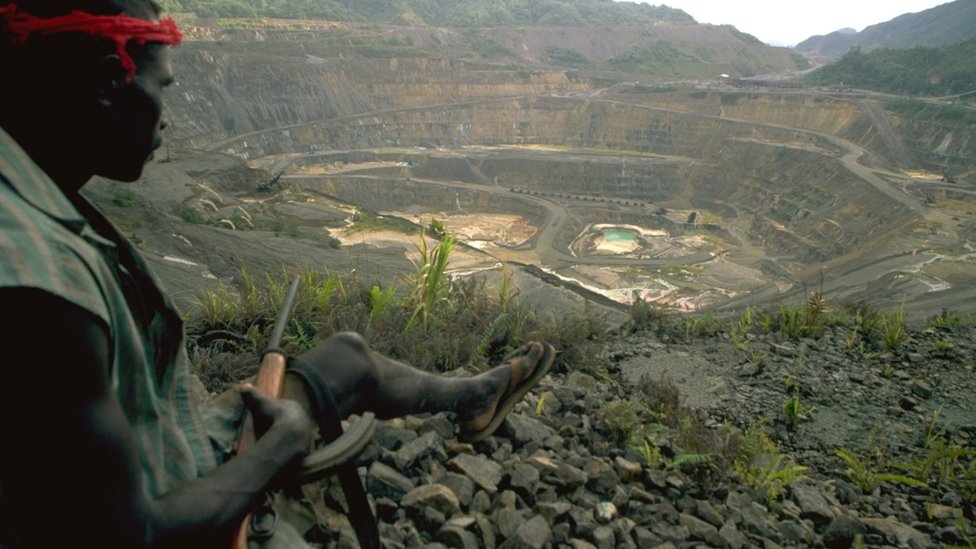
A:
706,511
841,531
943,513
461,521
559,473
897,533
523,429
561,533
577,543
524,480
532,534
508,520
646,538
385,481
391,437
813,504
671,532
582,521
581,382
685,504
554,510
623,529
458,538
507,498
783,349
950,535
655,478
462,486
484,472
337,522
756,520
675,482
731,536
604,538
621,496
428,518
627,470
795,534
921,389
750,369
409,453
605,512
439,424
699,529
487,530
480,503
436,496
408,534
601,478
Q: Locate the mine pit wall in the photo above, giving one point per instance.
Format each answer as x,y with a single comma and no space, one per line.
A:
941,145
396,193
401,83
228,89
539,121
804,203
935,144
796,203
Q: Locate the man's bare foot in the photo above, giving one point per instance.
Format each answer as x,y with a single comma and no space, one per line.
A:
506,385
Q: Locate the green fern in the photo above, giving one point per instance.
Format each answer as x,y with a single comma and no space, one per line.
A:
771,478
690,462
484,343
863,475
381,300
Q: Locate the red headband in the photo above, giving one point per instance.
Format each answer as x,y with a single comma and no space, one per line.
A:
119,28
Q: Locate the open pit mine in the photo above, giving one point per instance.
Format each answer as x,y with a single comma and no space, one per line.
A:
694,195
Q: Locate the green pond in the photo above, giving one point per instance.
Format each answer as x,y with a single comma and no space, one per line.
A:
619,235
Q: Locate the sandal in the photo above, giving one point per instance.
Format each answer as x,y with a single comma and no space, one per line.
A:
518,386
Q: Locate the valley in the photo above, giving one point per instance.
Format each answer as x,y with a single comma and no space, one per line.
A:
737,193
731,191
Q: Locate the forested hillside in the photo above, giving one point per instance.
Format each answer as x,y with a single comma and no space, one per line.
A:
443,13
927,71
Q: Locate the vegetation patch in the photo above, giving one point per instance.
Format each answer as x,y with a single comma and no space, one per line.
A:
917,71
660,57
567,57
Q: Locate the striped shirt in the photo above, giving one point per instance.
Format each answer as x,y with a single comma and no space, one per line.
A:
65,247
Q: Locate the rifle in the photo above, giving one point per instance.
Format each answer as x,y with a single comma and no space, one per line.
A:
334,459
270,381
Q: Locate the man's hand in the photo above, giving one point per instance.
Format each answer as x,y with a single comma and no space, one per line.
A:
281,419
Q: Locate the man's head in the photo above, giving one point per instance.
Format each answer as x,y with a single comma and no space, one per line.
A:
86,82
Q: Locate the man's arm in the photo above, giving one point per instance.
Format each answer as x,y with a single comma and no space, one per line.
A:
70,465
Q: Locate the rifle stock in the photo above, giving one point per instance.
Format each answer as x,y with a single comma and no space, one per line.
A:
270,381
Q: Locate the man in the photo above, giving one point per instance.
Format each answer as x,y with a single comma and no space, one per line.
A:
102,441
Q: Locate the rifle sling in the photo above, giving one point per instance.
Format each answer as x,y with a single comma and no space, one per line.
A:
330,428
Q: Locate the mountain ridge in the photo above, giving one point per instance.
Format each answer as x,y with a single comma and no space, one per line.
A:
442,13
939,26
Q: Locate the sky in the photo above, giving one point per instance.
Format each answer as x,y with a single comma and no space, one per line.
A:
788,22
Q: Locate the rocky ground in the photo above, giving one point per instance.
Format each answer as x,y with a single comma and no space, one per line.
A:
561,472
556,476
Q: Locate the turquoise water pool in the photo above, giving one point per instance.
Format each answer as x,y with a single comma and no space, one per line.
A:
619,235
